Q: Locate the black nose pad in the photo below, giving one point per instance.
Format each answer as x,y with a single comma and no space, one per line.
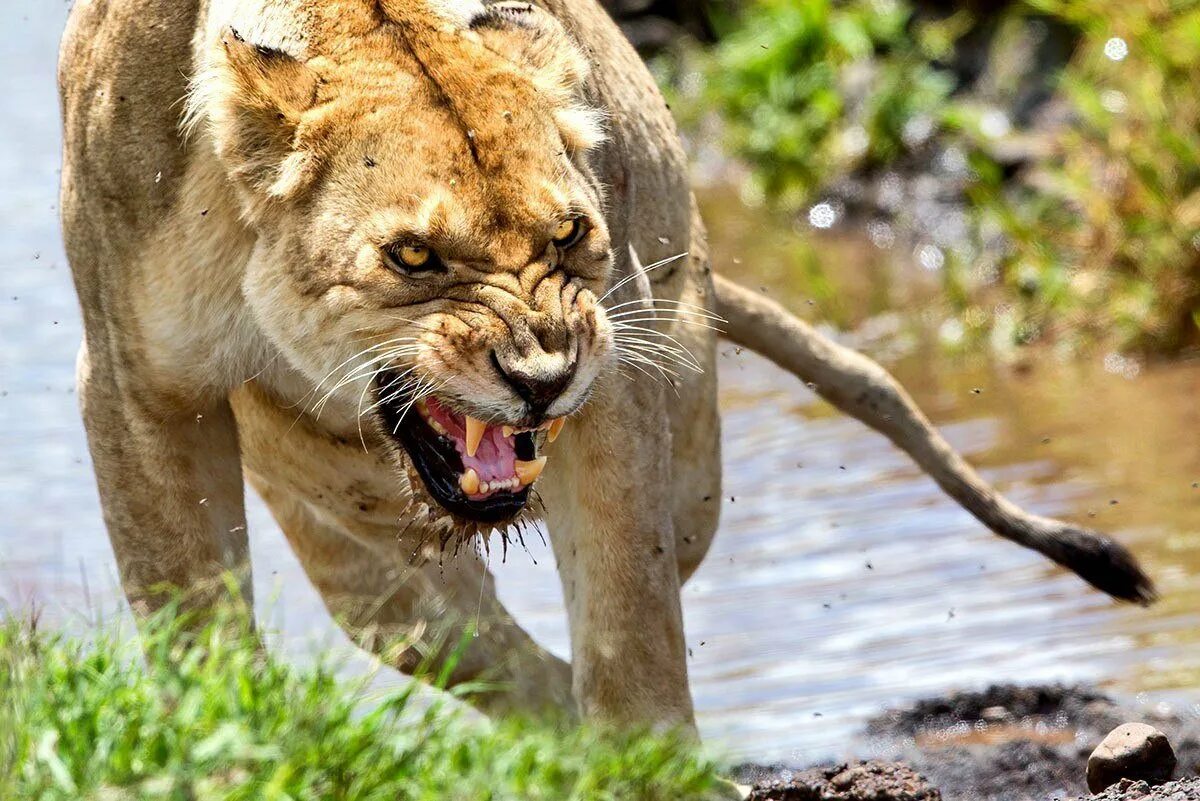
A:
538,391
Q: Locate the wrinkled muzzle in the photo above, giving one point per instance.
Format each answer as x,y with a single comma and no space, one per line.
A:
474,438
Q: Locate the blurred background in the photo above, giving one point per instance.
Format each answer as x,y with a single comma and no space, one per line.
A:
999,200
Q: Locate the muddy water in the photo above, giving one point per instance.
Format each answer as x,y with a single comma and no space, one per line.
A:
842,581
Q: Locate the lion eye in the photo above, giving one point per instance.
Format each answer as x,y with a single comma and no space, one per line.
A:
411,258
569,232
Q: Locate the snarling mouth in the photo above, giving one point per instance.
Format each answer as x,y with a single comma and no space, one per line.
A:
475,470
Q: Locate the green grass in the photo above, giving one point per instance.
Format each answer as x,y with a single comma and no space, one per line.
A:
1095,242
105,719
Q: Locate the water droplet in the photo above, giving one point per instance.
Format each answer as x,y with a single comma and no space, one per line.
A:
1121,365
917,130
994,124
951,332
822,215
1116,48
1113,101
931,257
881,234
855,141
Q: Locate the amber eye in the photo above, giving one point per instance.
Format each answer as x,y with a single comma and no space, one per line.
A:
569,232
408,257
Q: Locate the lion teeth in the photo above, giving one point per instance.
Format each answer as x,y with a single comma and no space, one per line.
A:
423,409
556,427
469,481
528,472
475,431
507,431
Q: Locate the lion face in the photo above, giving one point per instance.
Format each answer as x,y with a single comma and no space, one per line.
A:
432,247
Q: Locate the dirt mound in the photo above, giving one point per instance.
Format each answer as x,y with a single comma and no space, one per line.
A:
1125,790
1005,743
860,781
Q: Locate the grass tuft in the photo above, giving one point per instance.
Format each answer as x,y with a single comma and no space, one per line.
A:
214,716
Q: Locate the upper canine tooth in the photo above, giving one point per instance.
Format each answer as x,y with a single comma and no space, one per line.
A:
507,431
469,481
529,471
475,432
556,427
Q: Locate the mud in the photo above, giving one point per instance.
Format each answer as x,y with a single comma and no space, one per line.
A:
861,781
1179,790
1014,743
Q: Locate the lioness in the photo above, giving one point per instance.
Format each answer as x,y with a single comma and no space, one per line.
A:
384,259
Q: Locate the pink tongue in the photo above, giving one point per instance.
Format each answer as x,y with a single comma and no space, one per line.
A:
493,460
495,457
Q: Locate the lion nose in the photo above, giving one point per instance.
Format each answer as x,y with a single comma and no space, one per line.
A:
538,384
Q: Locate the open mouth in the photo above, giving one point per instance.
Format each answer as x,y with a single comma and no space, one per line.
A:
475,470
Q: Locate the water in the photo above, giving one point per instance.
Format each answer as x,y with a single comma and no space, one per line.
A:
841,582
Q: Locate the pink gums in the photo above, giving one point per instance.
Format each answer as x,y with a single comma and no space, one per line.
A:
493,461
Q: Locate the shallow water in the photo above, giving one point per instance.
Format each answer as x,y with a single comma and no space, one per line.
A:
842,581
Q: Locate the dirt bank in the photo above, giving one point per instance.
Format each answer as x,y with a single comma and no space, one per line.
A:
1011,743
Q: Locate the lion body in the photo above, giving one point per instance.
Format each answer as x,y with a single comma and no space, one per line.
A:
182,391
228,258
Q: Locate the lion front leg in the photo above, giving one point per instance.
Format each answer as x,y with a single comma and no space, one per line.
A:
607,499
170,487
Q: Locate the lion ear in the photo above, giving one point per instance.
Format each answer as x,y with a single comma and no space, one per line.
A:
253,99
537,42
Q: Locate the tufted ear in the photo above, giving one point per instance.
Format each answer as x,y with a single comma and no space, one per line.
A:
534,40
253,99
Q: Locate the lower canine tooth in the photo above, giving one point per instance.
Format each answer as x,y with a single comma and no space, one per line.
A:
528,472
469,482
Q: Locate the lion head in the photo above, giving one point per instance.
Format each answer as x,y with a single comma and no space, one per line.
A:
430,241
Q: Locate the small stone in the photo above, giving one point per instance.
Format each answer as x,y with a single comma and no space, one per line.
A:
994,714
1133,751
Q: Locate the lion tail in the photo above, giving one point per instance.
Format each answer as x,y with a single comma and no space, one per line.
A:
863,389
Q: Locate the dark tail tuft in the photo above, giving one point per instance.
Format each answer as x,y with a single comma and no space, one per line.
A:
1105,564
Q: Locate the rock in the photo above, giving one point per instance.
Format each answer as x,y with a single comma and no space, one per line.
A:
859,781
1131,751
994,714
1126,790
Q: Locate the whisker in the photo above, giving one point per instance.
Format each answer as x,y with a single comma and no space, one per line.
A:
362,352
365,370
682,320
636,272
643,359
652,304
651,351
657,347
657,334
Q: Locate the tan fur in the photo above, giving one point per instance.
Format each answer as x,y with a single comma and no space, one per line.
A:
233,170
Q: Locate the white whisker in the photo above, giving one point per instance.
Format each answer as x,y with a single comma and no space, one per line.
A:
656,319
636,272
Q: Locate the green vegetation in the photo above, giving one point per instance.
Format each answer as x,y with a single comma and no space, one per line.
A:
780,78
1094,235
226,720
1105,238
